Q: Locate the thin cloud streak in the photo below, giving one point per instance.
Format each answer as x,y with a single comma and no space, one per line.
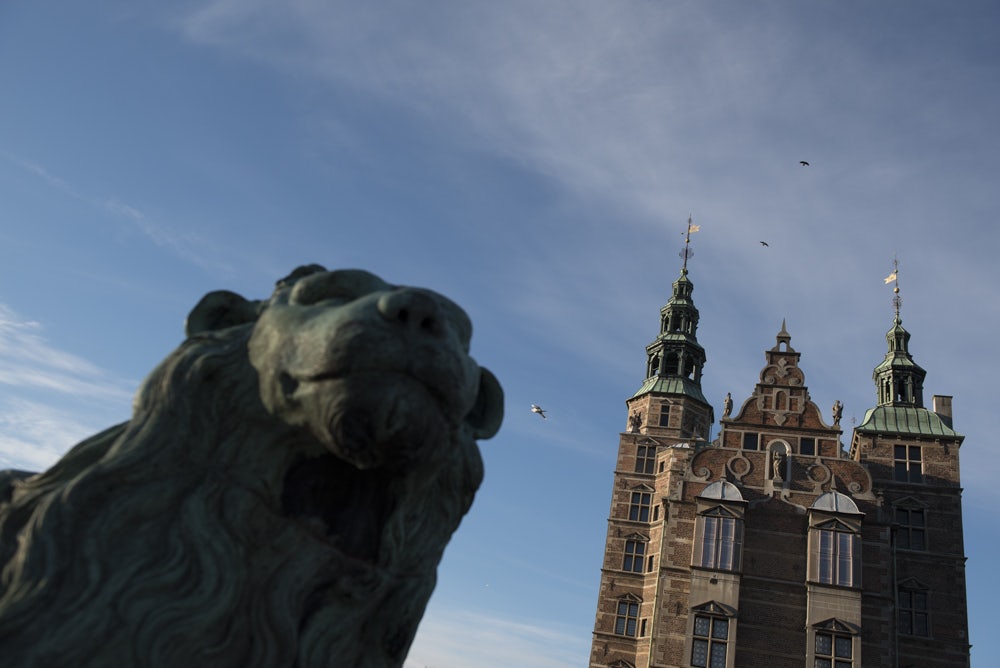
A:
461,638
27,361
180,245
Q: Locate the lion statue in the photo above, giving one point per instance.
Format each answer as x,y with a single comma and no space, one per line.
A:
282,495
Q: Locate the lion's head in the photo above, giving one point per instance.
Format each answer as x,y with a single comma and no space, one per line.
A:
281,496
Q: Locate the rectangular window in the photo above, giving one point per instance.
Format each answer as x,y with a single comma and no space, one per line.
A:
837,555
710,642
911,532
665,415
645,458
638,510
750,441
807,446
721,543
627,618
834,651
913,613
634,552
907,466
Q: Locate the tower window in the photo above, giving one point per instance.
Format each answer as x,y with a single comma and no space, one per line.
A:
710,641
627,617
911,532
907,465
664,415
634,552
638,510
750,441
807,446
645,458
834,650
913,613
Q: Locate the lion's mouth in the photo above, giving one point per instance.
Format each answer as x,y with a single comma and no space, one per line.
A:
346,505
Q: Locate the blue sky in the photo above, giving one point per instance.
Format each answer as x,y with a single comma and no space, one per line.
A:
537,163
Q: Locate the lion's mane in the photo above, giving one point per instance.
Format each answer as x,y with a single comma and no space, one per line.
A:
176,539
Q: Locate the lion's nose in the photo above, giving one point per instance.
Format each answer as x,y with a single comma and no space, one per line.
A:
414,310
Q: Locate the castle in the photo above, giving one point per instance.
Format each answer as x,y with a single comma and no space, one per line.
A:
775,546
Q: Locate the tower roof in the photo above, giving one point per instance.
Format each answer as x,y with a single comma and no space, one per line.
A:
674,359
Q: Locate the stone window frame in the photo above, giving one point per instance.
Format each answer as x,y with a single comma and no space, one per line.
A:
713,610
711,550
640,504
637,557
835,629
624,607
835,523
645,456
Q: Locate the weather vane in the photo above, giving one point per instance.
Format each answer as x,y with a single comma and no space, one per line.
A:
688,251
897,301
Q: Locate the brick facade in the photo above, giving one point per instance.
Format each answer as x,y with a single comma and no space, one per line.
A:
855,557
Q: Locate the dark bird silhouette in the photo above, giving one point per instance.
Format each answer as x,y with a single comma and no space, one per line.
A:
803,163
764,243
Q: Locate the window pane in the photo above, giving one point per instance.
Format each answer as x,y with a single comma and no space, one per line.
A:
843,648
899,452
822,663
899,472
718,655
824,644
916,518
699,653
720,629
620,626
701,626
905,622
904,599
843,664
914,453
630,627
920,624
919,600
917,540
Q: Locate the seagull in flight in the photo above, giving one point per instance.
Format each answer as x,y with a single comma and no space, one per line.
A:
535,408
765,244
803,163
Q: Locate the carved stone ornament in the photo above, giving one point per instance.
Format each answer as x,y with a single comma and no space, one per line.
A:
281,496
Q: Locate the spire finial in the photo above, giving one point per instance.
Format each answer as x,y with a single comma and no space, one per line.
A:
687,252
897,301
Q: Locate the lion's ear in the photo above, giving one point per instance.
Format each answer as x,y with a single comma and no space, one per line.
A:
219,310
486,416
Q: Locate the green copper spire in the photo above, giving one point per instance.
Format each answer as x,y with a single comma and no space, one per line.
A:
899,381
674,360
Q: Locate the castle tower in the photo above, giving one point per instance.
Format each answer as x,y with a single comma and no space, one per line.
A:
668,418
913,456
771,547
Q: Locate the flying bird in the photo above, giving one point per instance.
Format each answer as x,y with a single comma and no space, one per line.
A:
803,163
535,408
764,243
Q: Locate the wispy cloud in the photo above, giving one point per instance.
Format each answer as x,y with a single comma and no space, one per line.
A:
28,361
462,638
185,246
49,399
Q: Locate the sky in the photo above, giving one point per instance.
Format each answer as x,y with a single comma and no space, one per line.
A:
537,162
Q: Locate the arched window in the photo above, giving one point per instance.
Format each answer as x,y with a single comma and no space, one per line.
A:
835,541
718,540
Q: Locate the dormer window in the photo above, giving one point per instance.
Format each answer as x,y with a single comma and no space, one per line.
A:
835,541
718,543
